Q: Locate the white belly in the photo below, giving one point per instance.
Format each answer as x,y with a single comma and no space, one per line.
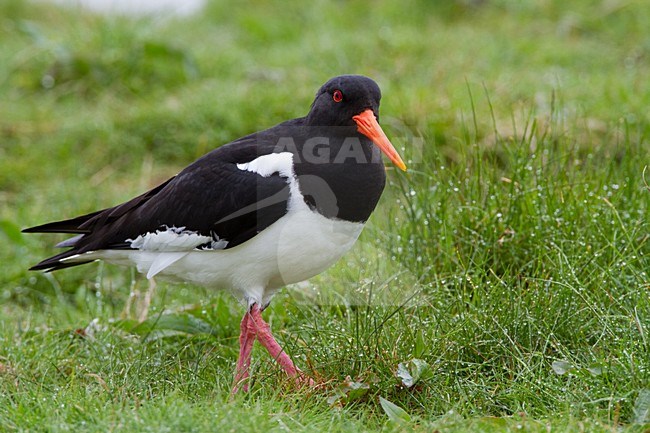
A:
298,246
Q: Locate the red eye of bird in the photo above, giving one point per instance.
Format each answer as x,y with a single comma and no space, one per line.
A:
337,96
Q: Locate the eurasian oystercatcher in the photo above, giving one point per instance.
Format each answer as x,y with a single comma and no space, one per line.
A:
272,208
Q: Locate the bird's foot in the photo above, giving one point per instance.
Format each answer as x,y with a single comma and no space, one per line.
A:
300,380
304,381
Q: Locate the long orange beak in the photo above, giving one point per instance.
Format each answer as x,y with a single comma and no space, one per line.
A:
368,126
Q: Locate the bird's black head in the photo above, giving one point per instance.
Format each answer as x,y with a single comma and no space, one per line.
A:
342,98
352,101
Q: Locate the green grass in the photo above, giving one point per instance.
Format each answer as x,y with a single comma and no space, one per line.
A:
512,258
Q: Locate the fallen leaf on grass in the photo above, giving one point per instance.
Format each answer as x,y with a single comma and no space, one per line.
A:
348,391
411,372
561,367
167,325
564,367
394,412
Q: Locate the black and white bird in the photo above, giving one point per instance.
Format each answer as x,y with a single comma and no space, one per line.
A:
272,208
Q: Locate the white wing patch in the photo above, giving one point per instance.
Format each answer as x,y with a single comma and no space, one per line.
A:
172,244
175,239
266,165
281,163
164,260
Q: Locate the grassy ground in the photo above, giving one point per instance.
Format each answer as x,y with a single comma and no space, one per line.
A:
502,285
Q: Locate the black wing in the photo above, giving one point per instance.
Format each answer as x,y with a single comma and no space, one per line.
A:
211,197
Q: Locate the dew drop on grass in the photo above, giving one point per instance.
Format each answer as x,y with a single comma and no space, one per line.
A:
47,81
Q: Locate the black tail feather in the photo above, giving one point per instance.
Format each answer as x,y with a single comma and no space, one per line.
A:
66,226
96,231
55,263
68,265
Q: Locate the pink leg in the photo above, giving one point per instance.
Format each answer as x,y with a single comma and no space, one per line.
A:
246,340
265,337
